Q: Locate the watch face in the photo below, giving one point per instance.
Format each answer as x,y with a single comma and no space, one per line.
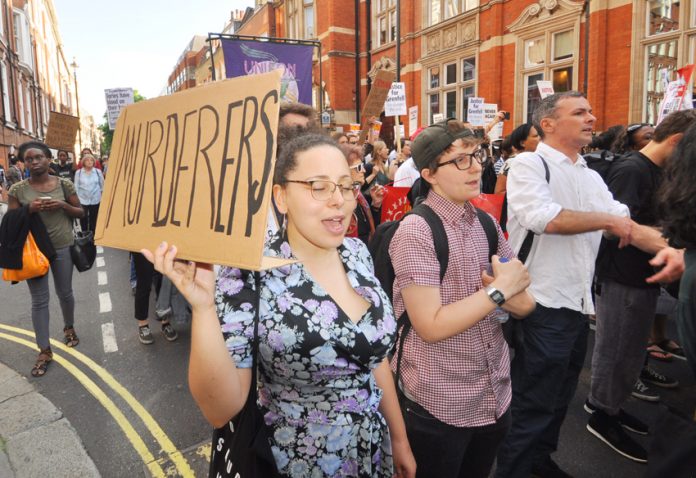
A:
496,296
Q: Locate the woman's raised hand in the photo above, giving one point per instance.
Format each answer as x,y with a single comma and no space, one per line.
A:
195,280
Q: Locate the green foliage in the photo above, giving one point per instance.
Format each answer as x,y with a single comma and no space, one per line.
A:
109,134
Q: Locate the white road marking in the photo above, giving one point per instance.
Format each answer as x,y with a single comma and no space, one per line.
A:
101,278
109,338
100,262
104,302
100,250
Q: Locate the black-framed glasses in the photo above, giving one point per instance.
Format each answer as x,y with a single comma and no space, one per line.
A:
465,160
360,167
323,189
633,127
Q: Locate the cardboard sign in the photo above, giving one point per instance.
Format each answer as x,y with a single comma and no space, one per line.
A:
62,130
489,112
412,119
116,100
374,104
395,105
195,169
474,113
545,88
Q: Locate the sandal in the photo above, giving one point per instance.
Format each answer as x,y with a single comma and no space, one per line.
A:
70,339
45,357
670,346
656,352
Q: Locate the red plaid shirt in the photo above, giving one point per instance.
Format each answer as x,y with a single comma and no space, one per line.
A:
464,380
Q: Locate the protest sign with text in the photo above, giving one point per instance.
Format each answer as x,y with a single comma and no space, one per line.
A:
116,100
677,94
490,111
475,113
62,130
545,88
395,104
412,119
195,169
374,104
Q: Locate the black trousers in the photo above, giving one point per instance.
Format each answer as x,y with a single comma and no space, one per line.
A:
89,221
146,276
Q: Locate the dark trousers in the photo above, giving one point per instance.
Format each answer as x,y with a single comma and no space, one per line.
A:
544,374
146,277
89,221
686,310
446,451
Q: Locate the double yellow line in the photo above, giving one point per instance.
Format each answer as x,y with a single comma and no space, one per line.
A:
158,434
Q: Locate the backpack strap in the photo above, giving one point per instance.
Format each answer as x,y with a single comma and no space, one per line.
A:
442,252
491,231
529,238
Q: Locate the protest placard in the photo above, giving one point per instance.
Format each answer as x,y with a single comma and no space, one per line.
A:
545,88
374,104
395,104
490,110
438,117
195,169
677,94
412,119
475,114
116,100
62,130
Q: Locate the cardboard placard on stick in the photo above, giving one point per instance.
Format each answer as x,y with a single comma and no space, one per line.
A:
374,104
62,130
195,169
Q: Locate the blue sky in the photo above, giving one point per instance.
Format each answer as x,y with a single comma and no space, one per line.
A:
130,43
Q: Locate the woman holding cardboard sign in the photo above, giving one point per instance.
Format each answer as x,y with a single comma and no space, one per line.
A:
324,326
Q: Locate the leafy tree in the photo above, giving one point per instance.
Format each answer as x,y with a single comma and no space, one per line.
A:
108,133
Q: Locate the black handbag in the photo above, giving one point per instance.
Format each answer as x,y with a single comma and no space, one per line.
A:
241,448
83,251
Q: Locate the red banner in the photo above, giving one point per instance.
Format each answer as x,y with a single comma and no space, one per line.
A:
395,203
491,203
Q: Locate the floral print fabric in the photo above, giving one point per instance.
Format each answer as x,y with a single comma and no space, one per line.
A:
316,389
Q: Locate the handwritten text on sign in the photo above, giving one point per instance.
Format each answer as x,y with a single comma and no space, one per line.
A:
195,169
395,104
62,130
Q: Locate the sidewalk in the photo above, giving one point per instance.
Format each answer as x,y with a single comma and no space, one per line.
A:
35,439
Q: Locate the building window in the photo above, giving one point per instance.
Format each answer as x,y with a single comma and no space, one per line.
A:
29,103
22,37
300,22
5,93
20,101
663,16
291,12
440,10
308,7
547,57
661,68
446,83
386,21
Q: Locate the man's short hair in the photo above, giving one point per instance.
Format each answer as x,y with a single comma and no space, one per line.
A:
548,106
674,123
299,109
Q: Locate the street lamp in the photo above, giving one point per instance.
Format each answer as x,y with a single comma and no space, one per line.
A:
77,101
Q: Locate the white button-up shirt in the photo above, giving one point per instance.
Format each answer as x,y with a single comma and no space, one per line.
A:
561,266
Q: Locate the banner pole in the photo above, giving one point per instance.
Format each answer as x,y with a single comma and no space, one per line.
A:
212,59
321,83
397,132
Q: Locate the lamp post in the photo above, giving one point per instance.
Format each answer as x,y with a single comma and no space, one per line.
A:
77,102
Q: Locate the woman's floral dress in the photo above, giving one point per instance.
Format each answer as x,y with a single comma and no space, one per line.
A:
316,389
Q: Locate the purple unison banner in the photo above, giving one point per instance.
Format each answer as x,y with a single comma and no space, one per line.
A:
249,57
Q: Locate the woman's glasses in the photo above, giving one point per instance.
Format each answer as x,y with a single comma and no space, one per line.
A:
323,189
360,167
465,160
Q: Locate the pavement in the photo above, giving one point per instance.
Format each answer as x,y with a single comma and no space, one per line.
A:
35,436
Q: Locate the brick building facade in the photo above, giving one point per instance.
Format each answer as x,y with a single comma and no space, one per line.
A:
616,51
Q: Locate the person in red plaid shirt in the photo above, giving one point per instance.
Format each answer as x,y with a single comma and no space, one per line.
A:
455,367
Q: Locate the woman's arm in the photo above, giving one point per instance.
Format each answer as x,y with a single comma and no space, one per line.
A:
218,386
404,462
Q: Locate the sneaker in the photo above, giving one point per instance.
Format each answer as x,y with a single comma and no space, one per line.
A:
628,421
549,469
643,392
169,332
609,430
145,335
652,376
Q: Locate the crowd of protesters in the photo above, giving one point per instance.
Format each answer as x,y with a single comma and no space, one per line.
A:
490,324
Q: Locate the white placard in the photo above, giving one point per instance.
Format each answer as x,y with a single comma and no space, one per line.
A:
438,117
401,131
412,119
116,100
475,113
395,105
545,88
489,111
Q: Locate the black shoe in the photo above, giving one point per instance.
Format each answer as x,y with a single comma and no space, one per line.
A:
642,391
628,421
650,375
549,469
169,332
609,430
145,335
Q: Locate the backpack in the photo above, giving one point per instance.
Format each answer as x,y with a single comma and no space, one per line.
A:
602,162
384,270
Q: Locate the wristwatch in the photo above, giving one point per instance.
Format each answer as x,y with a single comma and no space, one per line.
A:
495,295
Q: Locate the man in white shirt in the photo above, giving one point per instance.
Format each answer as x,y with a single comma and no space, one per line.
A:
567,214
